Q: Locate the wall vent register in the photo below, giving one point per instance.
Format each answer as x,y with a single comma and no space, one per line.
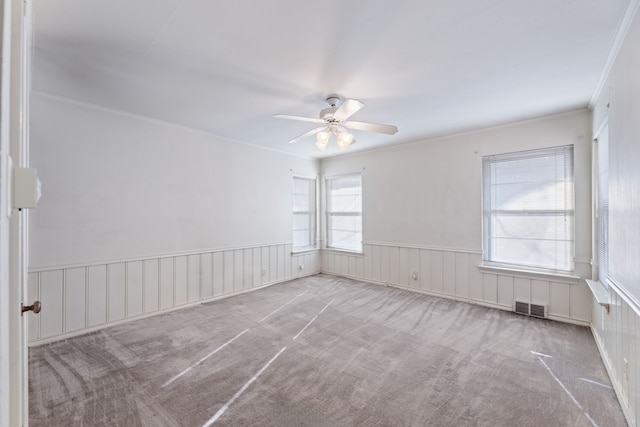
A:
527,309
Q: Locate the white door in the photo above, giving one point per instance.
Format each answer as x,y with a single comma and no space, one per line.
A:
14,119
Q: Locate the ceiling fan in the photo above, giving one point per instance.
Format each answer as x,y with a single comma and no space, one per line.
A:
334,121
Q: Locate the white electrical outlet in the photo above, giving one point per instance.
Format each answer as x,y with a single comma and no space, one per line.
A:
414,275
264,271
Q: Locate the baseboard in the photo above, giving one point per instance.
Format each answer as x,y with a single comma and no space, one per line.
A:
502,307
612,378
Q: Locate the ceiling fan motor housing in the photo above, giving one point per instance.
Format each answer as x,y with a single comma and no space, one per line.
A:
327,114
333,100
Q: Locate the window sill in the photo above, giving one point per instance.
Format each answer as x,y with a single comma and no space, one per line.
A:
531,274
599,293
304,250
344,251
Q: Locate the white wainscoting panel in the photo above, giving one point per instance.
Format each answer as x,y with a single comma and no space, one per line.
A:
521,289
32,295
238,269
133,285
193,277
273,264
505,290
617,334
247,269
77,299
167,279
97,295
180,278
218,273
205,285
51,291
116,293
490,288
74,299
436,268
462,275
455,274
151,285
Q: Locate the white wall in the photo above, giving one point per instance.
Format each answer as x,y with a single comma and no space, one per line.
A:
429,192
116,186
422,213
138,216
618,332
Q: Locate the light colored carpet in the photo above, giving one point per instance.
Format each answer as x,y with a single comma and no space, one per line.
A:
325,351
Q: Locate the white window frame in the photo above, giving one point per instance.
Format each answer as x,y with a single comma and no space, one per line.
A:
356,212
311,213
496,214
601,205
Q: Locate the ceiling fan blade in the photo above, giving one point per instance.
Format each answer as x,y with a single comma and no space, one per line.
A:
347,109
371,127
311,132
303,119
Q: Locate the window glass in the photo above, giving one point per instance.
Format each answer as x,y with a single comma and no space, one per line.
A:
602,204
304,213
344,212
529,209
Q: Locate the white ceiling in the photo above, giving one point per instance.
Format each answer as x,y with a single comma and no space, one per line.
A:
431,67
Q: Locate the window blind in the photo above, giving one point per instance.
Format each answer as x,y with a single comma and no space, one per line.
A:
344,212
602,204
304,213
529,209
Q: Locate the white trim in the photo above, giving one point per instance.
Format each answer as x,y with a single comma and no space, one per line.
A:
305,250
603,125
433,248
571,320
5,294
631,301
532,274
297,175
343,251
621,33
595,190
599,293
342,175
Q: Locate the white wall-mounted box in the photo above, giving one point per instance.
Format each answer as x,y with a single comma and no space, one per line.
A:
26,188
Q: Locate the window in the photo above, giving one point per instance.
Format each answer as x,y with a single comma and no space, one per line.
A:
601,154
344,212
304,213
529,209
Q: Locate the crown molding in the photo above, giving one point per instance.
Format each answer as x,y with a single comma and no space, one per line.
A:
623,29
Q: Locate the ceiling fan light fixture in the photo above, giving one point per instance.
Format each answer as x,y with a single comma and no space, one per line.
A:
335,121
344,140
323,136
322,140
